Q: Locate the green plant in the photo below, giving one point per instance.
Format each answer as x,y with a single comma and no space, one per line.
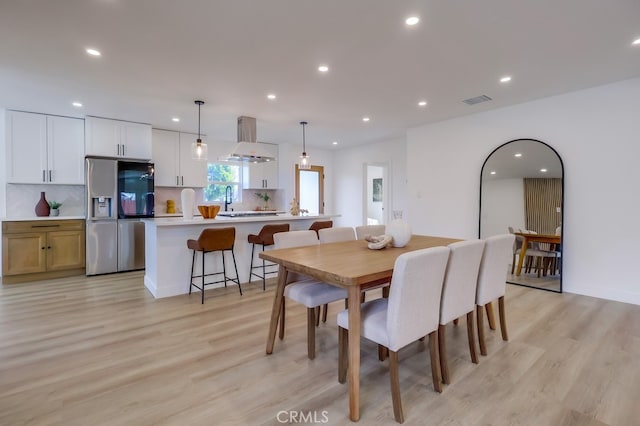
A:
54,204
263,196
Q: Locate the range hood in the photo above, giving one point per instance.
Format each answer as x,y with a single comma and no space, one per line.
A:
247,149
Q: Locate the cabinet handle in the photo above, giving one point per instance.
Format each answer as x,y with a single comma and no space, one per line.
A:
43,176
45,226
123,149
182,179
42,248
50,176
49,247
177,180
118,150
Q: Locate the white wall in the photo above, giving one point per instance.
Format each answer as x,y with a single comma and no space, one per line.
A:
502,206
595,132
349,175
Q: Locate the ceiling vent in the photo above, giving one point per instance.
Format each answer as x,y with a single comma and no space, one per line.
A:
477,100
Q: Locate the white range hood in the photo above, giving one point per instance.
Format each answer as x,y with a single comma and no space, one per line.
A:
247,149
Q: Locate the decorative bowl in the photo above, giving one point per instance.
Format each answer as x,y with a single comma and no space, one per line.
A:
213,211
204,211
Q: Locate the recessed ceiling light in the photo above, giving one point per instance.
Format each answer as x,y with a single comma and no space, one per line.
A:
518,155
505,79
334,143
365,119
422,103
323,68
636,42
176,119
412,20
76,104
93,52
543,170
493,172
271,96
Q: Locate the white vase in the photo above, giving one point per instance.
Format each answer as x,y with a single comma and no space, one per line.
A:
399,229
188,198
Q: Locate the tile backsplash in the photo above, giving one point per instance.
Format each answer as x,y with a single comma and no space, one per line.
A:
22,199
249,199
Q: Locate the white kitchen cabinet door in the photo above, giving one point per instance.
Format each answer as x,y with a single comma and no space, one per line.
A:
193,173
116,138
26,136
262,175
135,140
65,150
102,137
165,157
270,174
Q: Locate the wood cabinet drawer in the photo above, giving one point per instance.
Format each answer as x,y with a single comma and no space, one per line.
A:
42,226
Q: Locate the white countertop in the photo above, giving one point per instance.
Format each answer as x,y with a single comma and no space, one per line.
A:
24,219
221,220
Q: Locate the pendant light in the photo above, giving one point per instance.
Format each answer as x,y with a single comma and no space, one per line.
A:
305,163
199,149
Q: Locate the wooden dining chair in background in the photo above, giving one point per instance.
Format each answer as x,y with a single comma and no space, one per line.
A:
492,281
411,312
459,296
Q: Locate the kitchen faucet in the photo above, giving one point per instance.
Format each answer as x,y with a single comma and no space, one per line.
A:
227,196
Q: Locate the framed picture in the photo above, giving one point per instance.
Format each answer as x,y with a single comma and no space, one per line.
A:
377,189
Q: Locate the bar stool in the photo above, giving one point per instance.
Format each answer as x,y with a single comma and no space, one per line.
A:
264,238
317,225
212,240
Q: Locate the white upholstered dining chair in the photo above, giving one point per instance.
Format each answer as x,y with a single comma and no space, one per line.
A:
459,296
303,289
334,235
372,230
492,281
411,312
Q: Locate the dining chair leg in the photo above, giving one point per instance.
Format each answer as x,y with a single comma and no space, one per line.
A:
455,321
318,309
311,333
435,363
503,319
442,348
382,353
385,291
324,313
394,379
480,323
472,338
513,263
343,359
281,331
492,319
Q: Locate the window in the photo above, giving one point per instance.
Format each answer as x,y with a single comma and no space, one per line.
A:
221,175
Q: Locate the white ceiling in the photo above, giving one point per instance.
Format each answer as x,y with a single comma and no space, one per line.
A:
161,55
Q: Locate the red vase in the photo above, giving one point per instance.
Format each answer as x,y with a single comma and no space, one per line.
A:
42,208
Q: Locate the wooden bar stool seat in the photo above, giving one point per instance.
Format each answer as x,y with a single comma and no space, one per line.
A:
212,240
265,239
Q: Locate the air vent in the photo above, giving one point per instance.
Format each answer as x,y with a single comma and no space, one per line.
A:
477,100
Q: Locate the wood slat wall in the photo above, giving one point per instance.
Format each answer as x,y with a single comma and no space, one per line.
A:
541,198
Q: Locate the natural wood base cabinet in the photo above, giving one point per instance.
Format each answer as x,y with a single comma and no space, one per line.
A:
35,250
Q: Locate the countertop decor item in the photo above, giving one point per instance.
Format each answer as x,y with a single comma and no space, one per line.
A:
42,207
171,207
188,198
295,208
55,208
264,196
399,229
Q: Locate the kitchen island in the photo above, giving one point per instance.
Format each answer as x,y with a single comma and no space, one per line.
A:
168,260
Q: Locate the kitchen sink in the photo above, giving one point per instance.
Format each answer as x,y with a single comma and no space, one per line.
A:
249,213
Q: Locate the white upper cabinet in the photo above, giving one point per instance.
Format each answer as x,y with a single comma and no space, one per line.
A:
116,138
262,175
173,163
44,149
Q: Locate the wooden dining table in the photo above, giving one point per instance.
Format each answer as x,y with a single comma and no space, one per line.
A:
350,265
534,238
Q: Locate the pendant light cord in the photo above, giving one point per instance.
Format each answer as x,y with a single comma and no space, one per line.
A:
199,103
304,146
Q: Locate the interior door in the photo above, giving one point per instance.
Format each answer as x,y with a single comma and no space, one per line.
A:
310,189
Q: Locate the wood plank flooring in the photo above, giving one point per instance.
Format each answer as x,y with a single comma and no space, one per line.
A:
103,351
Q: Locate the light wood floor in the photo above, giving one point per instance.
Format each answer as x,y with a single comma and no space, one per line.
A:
102,351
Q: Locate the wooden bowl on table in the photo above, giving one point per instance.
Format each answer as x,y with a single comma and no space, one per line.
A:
213,211
204,211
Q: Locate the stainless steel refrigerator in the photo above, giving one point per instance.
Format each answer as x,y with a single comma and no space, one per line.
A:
119,194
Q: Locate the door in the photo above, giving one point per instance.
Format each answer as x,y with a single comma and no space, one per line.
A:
376,192
130,245
310,189
24,253
165,157
102,247
135,140
26,147
102,137
65,150
66,250
193,173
